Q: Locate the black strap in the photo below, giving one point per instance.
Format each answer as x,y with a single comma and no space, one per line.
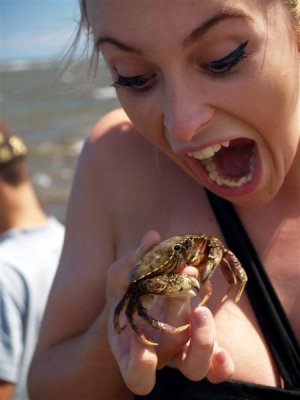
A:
172,384
266,305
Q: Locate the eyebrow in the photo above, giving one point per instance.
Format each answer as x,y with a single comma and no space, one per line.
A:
195,35
117,43
210,23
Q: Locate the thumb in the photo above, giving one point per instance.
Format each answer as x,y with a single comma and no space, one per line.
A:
117,276
150,239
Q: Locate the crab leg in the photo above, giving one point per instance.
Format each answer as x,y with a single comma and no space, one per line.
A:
158,325
207,268
132,306
177,285
213,259
118,311
207,287
230,277
233,272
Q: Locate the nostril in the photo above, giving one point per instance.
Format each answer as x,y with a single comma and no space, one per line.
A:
180,129
184,126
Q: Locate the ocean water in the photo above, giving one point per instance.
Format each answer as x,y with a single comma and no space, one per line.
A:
53,108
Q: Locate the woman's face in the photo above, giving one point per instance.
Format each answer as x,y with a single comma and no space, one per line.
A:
213,84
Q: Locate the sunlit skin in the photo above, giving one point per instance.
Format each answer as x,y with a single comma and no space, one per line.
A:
183,106
164,57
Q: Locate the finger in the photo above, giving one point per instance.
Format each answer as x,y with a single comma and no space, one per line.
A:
140,369
222,366
137,363
177,313
195,361
192,271
150,239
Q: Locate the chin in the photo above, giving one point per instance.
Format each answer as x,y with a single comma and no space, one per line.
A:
255,199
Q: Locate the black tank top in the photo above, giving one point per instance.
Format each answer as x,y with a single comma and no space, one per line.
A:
171,384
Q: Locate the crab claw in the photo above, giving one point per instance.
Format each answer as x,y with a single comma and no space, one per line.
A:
186,288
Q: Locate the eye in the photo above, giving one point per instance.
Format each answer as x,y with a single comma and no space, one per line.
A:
138,83
186,242
225,64
176,247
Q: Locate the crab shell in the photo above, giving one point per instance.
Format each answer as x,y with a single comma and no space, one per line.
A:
159,273
170,256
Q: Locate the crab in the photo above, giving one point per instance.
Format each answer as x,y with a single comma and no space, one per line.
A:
158,273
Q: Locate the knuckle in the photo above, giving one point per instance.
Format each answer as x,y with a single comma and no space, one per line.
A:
138,385
196,376
205,344
195,371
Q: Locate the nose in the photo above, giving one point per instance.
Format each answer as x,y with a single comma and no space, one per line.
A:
186,113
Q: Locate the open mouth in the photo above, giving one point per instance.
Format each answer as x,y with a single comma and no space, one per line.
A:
230,163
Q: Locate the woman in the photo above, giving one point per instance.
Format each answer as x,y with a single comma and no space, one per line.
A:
213,87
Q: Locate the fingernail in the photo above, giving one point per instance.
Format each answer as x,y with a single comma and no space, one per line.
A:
201,315
221,356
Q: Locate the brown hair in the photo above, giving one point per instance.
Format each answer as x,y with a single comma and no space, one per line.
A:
15,174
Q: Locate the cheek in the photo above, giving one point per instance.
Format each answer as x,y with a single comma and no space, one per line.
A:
144,112
268,103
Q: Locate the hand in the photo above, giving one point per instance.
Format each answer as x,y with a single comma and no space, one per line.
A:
194,352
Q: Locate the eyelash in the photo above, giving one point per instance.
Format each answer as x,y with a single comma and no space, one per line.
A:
221,67
138,83
225,64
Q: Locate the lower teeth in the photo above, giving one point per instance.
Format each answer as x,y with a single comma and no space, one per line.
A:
212,171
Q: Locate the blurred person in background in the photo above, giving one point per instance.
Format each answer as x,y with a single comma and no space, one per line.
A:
30,247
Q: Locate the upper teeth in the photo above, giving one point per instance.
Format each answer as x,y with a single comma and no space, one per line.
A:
208,152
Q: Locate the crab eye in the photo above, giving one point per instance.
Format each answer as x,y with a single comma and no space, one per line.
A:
176,247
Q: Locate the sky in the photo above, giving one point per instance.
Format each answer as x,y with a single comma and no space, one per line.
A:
36,29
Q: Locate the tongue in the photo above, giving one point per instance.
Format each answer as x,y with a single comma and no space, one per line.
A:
235,160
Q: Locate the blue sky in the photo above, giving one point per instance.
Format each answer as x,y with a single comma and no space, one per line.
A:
36,29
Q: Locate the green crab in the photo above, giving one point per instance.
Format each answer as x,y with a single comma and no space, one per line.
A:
159,273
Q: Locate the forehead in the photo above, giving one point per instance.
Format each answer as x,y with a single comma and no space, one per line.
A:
161,24
125,16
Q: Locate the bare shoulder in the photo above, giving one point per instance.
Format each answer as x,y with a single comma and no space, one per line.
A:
113,136
121,161
114,160
95,209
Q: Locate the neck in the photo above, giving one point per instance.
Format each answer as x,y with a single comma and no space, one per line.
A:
289,194
19,207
